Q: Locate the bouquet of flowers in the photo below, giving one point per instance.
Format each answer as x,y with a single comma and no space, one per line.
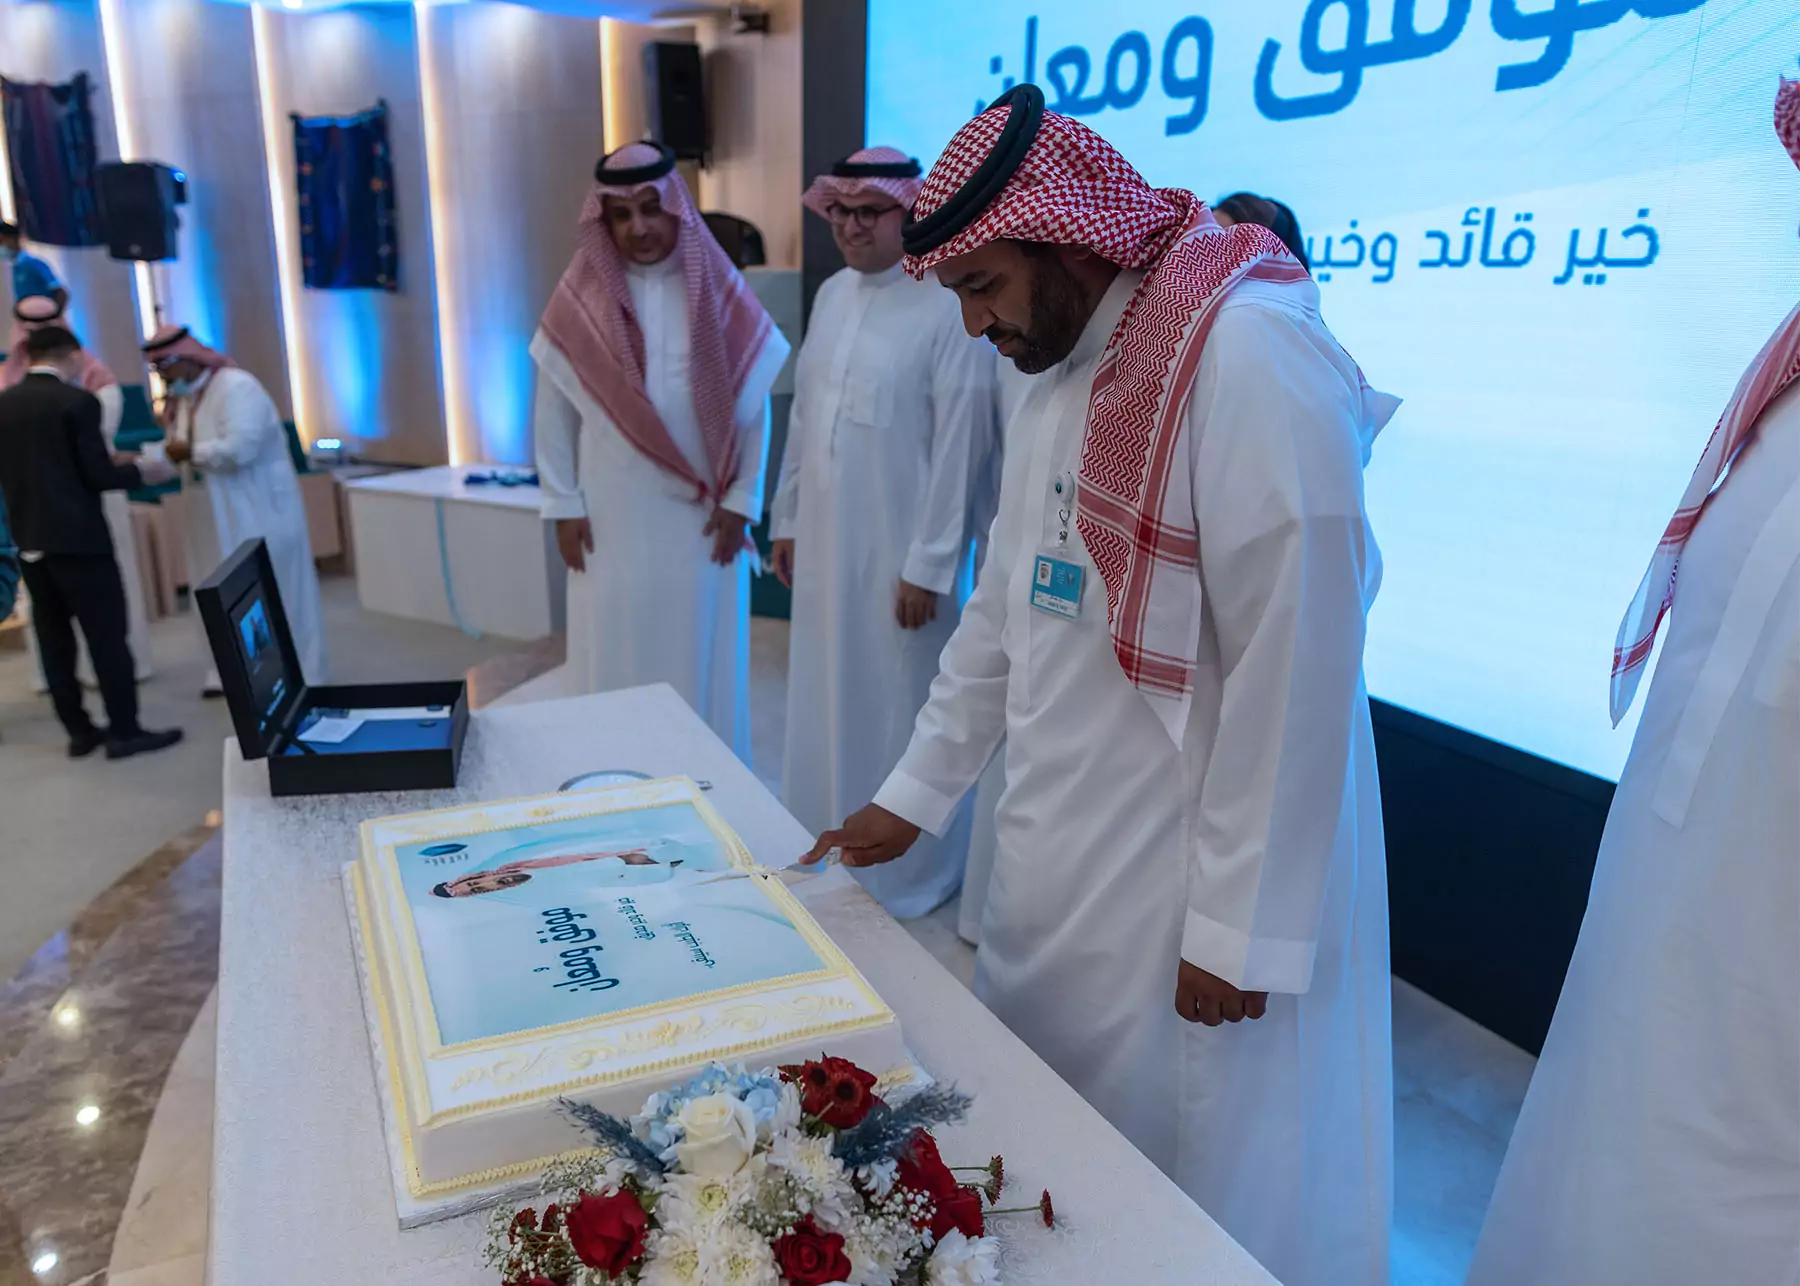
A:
800,1177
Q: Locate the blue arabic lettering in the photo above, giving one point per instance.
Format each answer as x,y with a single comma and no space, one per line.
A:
1557,26
1392,243
1193,88
1329,260
1471,219
1600,260
583,972
1647,232
1112,93
1507,259
560,926
1125,80
995,63
1406,44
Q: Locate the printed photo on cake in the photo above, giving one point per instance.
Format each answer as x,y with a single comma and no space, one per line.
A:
533,926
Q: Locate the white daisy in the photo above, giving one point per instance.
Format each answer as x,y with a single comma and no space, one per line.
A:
672,1258
734,1256
822,1182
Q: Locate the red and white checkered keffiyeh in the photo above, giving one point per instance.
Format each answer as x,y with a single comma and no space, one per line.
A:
1135,504
590,321
1776,367
827,188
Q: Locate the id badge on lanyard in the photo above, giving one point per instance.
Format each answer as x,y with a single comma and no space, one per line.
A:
1056,581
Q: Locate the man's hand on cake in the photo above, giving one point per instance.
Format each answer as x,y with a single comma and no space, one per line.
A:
1202,997
868,837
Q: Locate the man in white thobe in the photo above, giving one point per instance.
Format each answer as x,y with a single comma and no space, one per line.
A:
1168,632
655,362
226,426
892,423
1659,1144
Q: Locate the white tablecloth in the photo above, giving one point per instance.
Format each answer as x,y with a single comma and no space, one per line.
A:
493,551
301,1189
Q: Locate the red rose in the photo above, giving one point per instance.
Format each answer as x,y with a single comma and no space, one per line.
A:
524,1221
808,1257
607,1232
961,1210
923,1170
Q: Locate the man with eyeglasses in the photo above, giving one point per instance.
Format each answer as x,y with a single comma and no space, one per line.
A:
893,420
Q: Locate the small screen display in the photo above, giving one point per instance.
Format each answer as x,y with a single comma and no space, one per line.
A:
261,655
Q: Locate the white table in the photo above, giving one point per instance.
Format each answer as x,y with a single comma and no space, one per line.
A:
301,1191
500,554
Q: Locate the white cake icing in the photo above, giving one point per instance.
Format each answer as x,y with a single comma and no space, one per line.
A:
626,941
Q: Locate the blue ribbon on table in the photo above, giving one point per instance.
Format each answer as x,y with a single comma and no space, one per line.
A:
444,568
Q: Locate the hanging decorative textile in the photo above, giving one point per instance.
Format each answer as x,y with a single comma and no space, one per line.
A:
345,175
50,147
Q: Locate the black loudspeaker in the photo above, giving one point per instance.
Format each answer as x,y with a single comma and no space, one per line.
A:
675,98
137,208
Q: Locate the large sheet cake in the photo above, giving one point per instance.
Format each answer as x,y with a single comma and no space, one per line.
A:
595,946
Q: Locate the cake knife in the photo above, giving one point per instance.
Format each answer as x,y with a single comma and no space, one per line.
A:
791,874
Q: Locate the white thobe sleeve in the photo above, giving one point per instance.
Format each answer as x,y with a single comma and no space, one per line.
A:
249,417
556,426
1278,495
112,411
784,511
964,719
746,494
962,411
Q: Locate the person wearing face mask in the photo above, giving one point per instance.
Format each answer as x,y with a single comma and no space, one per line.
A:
655,362
30,274
223,423
893,421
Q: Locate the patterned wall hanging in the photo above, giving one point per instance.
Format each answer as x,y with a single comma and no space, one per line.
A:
50,147
345,176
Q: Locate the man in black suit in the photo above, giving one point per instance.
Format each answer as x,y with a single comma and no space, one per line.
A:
54,465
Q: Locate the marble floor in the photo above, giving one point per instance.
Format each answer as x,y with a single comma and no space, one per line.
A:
107,1043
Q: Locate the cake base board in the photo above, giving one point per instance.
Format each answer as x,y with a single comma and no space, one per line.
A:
412,1211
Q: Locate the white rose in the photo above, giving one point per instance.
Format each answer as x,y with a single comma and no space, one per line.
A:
720,1135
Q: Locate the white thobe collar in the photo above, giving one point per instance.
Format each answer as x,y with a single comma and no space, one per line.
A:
48,370
658,271
877,280
1104,321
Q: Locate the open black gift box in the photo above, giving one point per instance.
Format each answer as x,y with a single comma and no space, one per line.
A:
335,740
